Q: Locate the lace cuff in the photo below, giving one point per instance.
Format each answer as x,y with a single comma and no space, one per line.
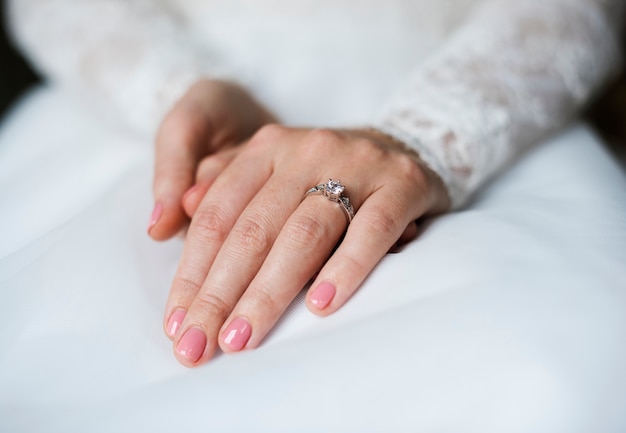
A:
516,71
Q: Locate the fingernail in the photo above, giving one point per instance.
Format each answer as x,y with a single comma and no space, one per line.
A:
189,192
173,325
156,215
192,345
322,295
237,334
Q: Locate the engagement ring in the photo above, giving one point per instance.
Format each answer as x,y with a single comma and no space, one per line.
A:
333,191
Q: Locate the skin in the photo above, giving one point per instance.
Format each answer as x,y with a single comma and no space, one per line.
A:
211,117
253,242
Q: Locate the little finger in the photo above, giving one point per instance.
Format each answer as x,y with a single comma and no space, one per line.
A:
376,227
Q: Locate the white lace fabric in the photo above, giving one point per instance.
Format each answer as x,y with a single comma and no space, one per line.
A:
134,55
513,72
516,71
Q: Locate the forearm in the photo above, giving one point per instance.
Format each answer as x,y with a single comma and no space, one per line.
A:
514,72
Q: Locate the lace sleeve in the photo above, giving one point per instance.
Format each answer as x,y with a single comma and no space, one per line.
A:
133,54
515,71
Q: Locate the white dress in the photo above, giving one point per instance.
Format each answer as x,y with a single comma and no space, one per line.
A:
467,83
508,315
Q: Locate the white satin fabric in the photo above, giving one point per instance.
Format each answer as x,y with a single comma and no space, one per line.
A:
509,316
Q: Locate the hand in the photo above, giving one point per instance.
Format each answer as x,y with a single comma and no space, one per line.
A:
212,116
253,242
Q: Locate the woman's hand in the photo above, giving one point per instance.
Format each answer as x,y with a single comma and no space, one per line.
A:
212,116
254,242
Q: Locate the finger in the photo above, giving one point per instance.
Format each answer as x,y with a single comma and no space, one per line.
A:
211,166
410,233
240,258
375,228
178,145
221,206
304,243
208,170
192,198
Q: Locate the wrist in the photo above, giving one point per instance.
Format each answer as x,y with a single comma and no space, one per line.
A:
439,200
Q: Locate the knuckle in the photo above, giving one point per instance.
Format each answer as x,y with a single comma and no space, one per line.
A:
212,305
165,176
261,300
368,151
185,288
383,222
356,266
324,137
253,235
305,231
208,164
268,133
410,170
212,163
210,224
318,144
182,125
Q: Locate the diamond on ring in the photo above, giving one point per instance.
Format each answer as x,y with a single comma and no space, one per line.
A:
335,187
333,191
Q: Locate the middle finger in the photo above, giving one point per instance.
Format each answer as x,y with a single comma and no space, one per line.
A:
235,265
303,245
216,215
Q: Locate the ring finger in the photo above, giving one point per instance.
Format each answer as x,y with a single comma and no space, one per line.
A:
303,245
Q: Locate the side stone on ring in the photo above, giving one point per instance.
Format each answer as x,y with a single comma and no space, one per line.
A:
333,191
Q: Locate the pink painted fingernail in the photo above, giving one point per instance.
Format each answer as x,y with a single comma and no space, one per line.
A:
192,345
176,319
189,192
322,295
237,334
156,215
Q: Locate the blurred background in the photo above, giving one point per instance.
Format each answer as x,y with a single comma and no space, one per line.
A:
607,113
15,75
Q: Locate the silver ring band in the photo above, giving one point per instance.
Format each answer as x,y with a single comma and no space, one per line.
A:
333,191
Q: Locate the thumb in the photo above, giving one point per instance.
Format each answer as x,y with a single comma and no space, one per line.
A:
179,144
